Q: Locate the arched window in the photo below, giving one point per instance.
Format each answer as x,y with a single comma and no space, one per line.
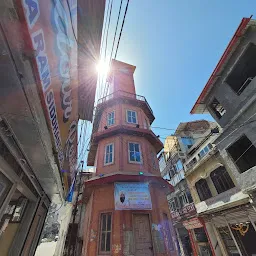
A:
203,189
221,180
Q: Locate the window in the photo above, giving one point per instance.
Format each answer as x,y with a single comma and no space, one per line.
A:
189,197
172,205
243,153
188,141
109,154
203,190
217,108
131,117
166,177
183,199
221,180
134,153
176,202
244,71
111,118
172,171
105,232
178,165
205,150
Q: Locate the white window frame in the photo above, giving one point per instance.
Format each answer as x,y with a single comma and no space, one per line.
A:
114,117
129,160
184,198
136,115
113,154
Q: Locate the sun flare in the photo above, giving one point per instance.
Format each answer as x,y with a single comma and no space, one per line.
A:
102,68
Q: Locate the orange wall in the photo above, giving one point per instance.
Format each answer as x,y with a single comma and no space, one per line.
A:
120,116
103,201
121,163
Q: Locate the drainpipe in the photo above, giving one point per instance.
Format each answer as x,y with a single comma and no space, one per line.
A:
231,233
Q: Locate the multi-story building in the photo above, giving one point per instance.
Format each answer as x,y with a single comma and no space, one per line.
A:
126,208
230,97
176,152
39,110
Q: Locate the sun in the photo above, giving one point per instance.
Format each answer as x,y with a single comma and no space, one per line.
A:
102,68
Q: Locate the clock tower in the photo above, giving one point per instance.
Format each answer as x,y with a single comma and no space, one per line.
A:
126,207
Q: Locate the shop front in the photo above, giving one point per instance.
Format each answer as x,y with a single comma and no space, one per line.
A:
182,233
237,230
199,238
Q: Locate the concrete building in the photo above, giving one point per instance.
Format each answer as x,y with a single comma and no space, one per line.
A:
177,150
180,202
39,112
126,208
230,97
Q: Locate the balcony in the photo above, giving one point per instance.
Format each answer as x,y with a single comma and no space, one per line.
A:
123,97
194,162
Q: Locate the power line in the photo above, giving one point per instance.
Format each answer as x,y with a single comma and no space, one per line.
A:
110,59
101,91
116,30
122,27
120,34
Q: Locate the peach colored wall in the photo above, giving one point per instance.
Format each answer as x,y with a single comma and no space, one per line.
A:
103,201
120,116
121,161
87,219
124,82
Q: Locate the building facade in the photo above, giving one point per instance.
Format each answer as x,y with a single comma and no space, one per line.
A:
39,112
191,230
126,208
230,97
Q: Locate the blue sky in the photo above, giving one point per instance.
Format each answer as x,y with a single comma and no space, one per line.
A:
175,46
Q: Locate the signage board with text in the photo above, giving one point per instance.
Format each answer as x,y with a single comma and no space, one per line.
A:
132,196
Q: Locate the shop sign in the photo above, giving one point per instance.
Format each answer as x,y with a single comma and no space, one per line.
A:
186,211
54,52
192,223
132,196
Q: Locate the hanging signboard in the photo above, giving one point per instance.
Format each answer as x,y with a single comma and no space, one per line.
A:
51,35
132,196
192,223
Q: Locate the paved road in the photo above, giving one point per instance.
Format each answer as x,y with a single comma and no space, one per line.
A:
46,249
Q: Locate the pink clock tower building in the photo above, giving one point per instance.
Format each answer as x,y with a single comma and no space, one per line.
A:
126,208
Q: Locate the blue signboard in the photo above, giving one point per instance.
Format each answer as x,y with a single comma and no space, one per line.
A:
132,196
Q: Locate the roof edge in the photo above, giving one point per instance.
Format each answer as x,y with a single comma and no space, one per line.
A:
238,33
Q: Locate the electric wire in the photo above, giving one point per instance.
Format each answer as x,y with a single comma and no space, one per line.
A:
120,34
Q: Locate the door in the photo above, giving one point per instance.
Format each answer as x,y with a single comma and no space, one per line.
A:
142,235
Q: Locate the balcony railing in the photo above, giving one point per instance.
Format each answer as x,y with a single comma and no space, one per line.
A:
126,95
195,163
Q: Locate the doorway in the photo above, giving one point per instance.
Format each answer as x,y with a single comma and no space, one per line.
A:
247,240
142,235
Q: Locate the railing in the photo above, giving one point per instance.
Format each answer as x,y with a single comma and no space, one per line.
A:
124,94
192,164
